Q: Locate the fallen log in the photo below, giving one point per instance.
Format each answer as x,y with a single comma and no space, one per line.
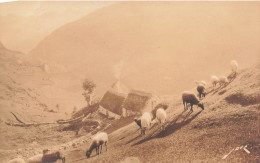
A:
29,124
23,124
71,120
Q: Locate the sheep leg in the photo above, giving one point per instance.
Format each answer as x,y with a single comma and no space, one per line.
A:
163,126
159,125
101,149
184,105
106,145
191,107
97,150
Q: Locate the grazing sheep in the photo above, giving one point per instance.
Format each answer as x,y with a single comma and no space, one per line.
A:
223,81
98,140
161,116
163,105
146,120
234,66
189,97
214,80
16,160
35,159
201,90
202,82
52,157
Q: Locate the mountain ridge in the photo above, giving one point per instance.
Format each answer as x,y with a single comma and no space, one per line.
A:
135,36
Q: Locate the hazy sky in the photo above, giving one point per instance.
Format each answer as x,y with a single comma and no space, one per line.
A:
36,20
38,8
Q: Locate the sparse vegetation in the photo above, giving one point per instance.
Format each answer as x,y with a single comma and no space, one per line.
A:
88,87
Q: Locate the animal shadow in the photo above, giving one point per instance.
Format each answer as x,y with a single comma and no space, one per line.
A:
133,139
171,127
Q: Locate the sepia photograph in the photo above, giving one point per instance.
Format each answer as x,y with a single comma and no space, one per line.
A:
129,81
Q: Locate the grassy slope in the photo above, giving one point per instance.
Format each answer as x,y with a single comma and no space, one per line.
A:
230,120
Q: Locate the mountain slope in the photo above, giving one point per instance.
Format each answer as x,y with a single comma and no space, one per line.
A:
230,120
33,21
138,41
21,84
33,85
28,91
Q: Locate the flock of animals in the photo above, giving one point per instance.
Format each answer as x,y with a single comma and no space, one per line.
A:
188,97
144,122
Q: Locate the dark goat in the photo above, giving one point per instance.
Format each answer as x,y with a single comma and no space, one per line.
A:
191,98
201,90
52,157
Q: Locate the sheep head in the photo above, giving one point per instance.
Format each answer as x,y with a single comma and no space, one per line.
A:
138,122
88,154
45,151
58,154
201,106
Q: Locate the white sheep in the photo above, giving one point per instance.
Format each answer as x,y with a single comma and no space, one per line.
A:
161,116
223,80
202,82
146,120
35,159
189,97
97,141
214,80
16,160
234,66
